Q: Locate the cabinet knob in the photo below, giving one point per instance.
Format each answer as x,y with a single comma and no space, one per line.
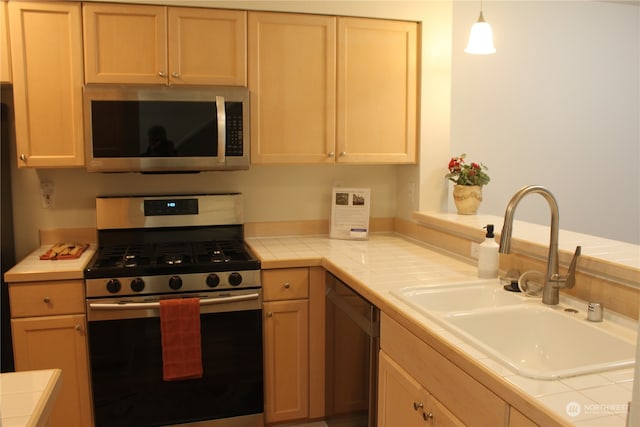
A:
162,74
78,328
23,157
46,300
417,405
331,154
287,285
426,416
343,153
269,314
175,74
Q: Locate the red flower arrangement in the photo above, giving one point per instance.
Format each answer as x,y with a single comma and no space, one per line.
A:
467,173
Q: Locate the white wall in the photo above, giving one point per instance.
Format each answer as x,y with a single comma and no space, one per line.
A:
557,105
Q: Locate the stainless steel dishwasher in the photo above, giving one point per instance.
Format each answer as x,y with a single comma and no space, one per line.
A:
353,342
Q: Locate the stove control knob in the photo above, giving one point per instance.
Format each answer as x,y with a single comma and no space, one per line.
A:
113,286
213,280
235,279
137,284
175,282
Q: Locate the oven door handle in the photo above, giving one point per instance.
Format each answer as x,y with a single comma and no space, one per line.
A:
147,305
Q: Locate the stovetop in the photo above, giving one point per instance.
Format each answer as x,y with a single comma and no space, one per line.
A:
145,259
170,244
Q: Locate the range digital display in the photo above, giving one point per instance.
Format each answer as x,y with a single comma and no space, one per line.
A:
159,207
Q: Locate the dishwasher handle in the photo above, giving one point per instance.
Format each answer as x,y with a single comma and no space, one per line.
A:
369,325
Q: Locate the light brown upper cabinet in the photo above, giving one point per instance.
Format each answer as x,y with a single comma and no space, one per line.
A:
377,91
46,48
292,78
327,89
5,52
142,44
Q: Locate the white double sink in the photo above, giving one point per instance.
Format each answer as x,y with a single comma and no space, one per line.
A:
536,341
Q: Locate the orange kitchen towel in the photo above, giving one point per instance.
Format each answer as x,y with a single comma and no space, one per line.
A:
181,342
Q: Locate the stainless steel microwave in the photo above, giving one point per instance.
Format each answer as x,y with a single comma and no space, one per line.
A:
166,129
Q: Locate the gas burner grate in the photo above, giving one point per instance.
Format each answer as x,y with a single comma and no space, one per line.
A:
173,253
117,256
220,252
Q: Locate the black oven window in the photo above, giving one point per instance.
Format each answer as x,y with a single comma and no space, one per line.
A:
126,370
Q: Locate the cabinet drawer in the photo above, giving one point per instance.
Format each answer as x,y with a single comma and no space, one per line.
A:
283,284
46,299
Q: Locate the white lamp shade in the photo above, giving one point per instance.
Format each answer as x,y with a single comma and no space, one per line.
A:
481,39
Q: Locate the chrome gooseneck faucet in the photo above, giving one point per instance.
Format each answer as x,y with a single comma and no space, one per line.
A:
553,282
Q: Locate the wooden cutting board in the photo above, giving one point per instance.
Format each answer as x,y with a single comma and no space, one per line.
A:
64,250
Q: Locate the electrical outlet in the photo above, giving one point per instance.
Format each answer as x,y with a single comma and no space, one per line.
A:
475,248
46,191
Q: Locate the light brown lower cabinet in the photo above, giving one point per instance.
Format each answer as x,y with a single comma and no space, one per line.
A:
468,400
518,419
57,342
49,327
293,326
286,360
402,401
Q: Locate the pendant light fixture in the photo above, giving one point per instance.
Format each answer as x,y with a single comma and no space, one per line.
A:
480,37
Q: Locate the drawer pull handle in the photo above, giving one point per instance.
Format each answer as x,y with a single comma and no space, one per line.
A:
417,405
78,328
46,300
287,285
426,416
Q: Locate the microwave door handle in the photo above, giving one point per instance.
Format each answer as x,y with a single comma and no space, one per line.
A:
222,128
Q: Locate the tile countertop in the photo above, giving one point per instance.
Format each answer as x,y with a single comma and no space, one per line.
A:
386,262
32,268
27,397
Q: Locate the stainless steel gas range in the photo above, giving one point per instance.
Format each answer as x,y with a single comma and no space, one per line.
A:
154,248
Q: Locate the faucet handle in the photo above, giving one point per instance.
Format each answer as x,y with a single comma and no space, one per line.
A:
570,280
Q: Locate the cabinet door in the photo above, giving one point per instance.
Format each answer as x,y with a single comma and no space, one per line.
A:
377,91
125,43
401,400
292,82
57,342
5,52
442,417
286,358
207,46
518,419
46,44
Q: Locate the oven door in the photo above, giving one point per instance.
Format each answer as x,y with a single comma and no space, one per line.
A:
126,364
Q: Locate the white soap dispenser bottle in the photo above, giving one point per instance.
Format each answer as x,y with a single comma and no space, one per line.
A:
488,255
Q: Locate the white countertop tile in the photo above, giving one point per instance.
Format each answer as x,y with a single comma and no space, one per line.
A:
26,396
